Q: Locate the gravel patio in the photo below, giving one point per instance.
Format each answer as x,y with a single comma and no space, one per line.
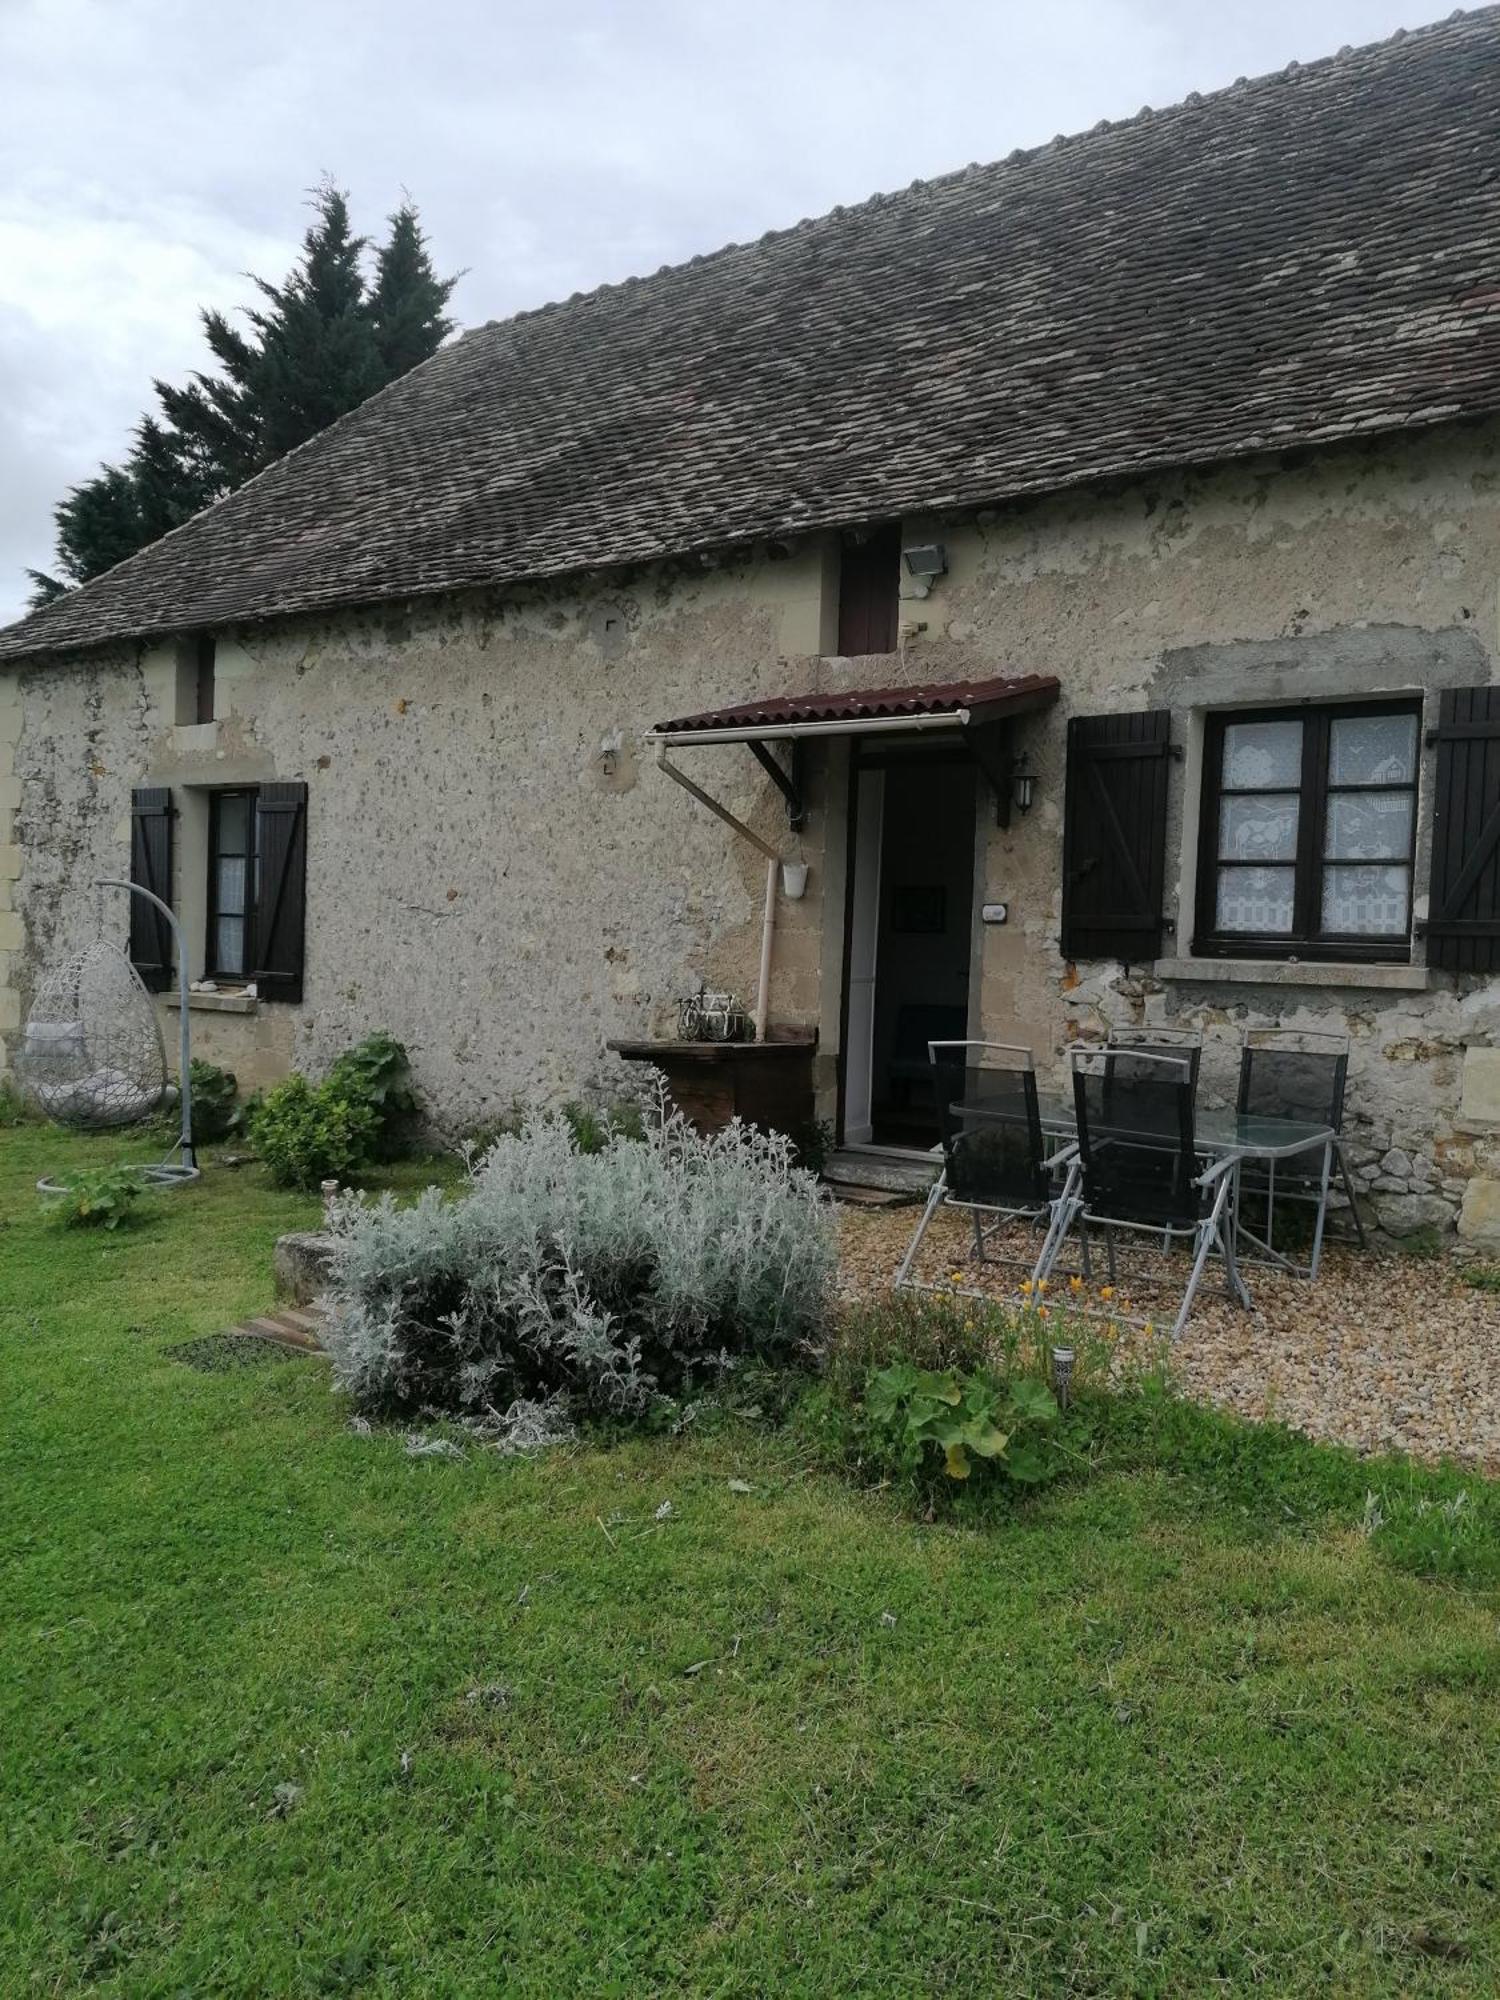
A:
1383,1352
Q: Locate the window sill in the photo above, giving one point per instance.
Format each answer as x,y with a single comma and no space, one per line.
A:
216,1003
1306,972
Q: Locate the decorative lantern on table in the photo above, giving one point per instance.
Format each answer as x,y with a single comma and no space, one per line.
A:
705,1016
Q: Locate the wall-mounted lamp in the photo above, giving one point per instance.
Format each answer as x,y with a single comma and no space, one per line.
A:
1022,787
609,753
929,559
924,563
794,880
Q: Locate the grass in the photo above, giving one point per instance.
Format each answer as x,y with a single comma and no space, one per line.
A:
287,1711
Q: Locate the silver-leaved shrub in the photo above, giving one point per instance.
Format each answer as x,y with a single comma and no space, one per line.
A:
590,1282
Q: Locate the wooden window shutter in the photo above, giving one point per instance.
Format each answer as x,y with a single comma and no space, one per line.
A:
151,815
281,891
1463,899
1114,835
869,593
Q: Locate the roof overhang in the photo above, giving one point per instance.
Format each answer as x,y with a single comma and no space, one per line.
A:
954,706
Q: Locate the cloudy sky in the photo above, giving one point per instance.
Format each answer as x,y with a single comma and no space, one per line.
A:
153,151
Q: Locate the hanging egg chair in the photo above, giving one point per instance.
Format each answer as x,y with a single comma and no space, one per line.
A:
91,1054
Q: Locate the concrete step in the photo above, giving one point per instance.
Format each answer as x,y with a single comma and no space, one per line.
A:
879,1179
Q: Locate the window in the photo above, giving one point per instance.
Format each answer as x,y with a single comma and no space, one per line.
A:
204,691
232,866
869,590
1309,817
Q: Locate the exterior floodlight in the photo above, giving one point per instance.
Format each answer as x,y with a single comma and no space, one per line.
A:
929,560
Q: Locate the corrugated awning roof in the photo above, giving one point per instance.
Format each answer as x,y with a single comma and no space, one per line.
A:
861,711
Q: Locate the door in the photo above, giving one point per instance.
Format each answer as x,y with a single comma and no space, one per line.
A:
864,945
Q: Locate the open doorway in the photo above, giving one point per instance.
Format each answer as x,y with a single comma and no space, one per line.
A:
910,935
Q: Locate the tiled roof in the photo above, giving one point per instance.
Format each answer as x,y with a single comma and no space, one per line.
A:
1311,256
872,704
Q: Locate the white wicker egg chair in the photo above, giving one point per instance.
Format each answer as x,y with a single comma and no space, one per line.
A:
91,1054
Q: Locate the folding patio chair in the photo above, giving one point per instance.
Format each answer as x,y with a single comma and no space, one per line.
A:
1297,1073
1184,1042
1139,1168
996,1162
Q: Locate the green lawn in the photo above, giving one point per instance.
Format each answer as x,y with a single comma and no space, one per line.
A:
284,1710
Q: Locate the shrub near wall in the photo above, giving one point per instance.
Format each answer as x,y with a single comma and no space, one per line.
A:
595,1280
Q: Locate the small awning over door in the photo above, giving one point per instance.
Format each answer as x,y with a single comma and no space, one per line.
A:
951,705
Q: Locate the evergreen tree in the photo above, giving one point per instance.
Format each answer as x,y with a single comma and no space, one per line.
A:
318,356
318,345
406,305
98,525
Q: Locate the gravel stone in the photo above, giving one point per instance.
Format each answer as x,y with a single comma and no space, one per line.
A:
1383,1352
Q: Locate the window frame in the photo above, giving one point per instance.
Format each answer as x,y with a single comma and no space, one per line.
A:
205,678
211,967
1306,941
869,601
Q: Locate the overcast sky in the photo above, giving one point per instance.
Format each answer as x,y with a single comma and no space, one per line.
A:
153,151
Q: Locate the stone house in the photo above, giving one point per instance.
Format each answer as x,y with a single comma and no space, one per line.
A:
1088,566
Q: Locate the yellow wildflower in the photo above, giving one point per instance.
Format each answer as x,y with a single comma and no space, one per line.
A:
1075,1284
1106,1291
1026,1286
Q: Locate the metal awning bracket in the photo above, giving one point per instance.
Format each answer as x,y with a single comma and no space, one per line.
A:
990,745
788,783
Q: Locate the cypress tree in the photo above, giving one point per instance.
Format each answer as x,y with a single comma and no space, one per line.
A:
407,302
318,345
318,357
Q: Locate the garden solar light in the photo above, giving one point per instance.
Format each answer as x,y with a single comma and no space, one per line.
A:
1062,1373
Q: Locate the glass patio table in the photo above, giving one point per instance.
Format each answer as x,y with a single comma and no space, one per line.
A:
1223,1134
1237,1136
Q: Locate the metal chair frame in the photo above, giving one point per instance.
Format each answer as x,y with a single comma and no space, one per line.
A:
1186,1043
1213,1230
1065,1159
1262,1181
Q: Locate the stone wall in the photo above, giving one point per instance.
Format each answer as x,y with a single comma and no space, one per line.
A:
498,872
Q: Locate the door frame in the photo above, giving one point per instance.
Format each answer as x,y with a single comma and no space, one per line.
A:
880,755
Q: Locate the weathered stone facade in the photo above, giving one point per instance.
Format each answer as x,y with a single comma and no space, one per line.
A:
487,882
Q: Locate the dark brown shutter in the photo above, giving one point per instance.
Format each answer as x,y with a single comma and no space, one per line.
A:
151,815
1114,835
1463,899
281,890
869,588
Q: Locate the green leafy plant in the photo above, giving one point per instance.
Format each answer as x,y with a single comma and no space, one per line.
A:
918,1413
376,1074
814,1142
593,1126
216,1108
308,1133
96,1197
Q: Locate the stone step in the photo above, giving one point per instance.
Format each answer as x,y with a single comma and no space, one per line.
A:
288,1326
879,1179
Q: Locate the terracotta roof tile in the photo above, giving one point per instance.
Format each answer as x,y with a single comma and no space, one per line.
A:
1309,257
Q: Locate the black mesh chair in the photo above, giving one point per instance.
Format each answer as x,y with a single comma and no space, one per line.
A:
1139,1167
996,1161
1186,1043
1301,1074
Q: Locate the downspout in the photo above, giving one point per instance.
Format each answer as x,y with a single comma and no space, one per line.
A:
767,933
773,863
